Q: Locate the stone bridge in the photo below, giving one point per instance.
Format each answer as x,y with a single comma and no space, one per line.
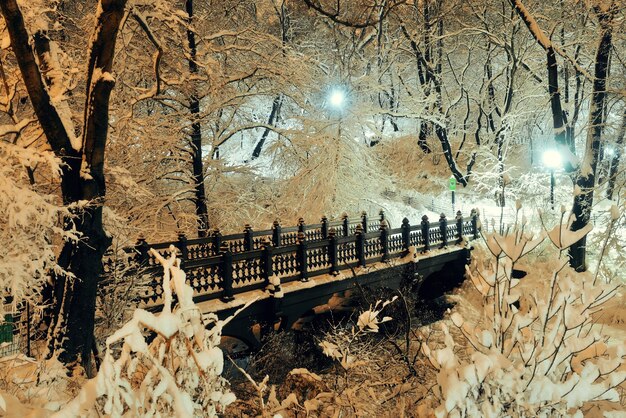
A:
287,272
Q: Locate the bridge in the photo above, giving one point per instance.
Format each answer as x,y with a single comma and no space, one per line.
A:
288,271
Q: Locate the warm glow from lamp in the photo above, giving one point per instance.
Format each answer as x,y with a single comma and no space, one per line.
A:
337,99
552,159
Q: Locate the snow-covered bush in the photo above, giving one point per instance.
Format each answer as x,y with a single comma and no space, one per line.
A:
535,351
606,245
346,345
30,221
178,373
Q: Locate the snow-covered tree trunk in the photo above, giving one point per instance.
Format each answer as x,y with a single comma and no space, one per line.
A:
586,178
73,296
196,134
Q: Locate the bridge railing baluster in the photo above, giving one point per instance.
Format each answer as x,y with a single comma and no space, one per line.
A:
364,221
360,245
384,239
406,234
182,247
443,228
267,269
324,227
227,272
301,257
142,248
248,244
216,236
276,234
474,215
333,259
426,233
459,227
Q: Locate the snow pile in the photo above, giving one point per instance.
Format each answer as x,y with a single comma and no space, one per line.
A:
537,351
175,374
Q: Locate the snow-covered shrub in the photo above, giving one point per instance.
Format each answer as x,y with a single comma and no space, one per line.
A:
178,373
119,291
345,345
606,245
30,222
535,351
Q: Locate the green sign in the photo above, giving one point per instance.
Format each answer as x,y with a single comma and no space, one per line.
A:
452,184
6,329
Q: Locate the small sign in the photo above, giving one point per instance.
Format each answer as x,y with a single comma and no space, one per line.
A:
452,184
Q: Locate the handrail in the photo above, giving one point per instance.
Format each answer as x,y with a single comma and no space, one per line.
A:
236,263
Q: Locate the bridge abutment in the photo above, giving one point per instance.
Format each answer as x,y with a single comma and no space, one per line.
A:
430,275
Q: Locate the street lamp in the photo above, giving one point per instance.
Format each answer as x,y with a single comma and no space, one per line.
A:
552,160
337,99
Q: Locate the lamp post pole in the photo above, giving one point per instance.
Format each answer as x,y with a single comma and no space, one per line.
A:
552,160
552,188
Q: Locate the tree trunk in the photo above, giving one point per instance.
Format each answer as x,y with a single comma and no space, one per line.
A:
585,179
615,160
202,212
276,105
74,297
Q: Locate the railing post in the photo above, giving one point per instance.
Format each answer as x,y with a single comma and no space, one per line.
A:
182,247
364,221
459,227
276,234
346,224
142,250
216,236
227,273
384,239
324,227
360,245
301,257
406,234
333,258
474,215
426,233
443,230
266,263
248,243
301,225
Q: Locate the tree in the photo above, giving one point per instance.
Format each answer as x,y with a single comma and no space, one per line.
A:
585,180
196,134
559,122
73,294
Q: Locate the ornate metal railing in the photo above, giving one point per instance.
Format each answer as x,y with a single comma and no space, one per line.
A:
222,266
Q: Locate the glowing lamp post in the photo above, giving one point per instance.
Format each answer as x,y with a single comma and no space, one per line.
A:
337,99
552,160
